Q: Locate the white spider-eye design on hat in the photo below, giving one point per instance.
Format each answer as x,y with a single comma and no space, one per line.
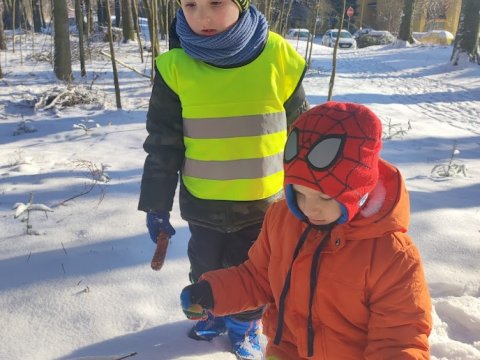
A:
322,155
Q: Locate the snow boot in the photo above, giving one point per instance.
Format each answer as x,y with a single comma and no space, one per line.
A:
244,336
208,329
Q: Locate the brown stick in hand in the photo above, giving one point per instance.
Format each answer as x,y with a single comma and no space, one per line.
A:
161,251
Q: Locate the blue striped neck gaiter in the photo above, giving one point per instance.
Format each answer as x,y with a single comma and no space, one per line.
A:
237,45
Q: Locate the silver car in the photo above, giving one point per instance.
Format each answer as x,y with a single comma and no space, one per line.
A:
346,39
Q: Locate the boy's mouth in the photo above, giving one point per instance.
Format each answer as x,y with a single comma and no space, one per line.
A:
208,31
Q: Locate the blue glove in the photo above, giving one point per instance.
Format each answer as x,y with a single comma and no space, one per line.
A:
196,299
157,222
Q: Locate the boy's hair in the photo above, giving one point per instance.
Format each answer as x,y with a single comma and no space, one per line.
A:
242,4
334,148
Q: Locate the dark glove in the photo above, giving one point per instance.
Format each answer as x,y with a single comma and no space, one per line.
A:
157,222
196,299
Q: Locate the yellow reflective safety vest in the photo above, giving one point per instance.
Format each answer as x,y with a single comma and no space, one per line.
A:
234,122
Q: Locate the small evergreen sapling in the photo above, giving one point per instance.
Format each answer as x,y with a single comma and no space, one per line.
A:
390,130
451,169
26,209
86,125
24,127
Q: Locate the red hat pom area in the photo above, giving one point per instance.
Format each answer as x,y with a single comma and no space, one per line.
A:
334,148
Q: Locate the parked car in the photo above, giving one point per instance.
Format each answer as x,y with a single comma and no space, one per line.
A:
346,39
437,37
375,37
361,32
296,34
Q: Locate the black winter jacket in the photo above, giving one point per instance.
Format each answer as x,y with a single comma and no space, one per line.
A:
164,161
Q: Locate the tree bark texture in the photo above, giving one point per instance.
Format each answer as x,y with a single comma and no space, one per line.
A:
62,65
118,12
406,25
127,21
137,28
335,49
114,64
3,42
102,13
80,27
467,37
37,15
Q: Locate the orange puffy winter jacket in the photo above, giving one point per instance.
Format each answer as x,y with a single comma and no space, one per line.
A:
365,297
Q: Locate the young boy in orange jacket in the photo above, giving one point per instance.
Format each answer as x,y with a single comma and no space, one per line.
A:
333,262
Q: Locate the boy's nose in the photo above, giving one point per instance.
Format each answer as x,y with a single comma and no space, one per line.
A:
310,208
204,16
208,18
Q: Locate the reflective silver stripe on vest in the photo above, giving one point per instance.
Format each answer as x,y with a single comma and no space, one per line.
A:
239,126
234,169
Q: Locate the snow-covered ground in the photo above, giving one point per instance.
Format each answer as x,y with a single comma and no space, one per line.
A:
83,287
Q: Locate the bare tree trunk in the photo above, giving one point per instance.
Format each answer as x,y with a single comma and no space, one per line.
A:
45,7
314,31
62,58
3,42
466,39
127,21
285,26
11,11
268,10
18,12
405,33
14,12
278,26
137,28
162,10
334,60
102,13
27,14
154,39
362,11
112,53
148,10
152,26
118,12
159,20
166,20
79,18
37,15
265,6
89,12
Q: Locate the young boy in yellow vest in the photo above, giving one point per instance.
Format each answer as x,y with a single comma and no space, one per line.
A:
218,116
341,277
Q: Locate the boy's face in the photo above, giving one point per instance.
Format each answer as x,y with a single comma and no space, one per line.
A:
210,17
320,209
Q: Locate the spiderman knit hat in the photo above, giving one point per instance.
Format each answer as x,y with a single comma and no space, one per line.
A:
334,148
242,4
